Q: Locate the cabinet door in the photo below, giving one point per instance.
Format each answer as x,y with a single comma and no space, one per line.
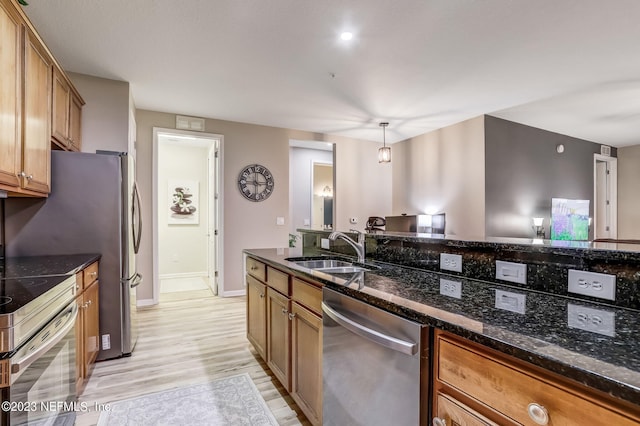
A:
37,116
11,96
75,127
448,411
306,355
257,315
279,336
60,110
91,326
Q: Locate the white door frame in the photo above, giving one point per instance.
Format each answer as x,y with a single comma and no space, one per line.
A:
612,166
218,211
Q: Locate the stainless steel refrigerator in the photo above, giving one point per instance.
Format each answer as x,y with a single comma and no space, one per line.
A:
94,207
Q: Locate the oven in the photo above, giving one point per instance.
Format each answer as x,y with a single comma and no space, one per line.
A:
40,372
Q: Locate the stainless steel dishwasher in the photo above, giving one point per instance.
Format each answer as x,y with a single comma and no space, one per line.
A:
372,362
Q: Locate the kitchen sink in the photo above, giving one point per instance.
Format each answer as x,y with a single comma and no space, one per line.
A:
331,266
323,264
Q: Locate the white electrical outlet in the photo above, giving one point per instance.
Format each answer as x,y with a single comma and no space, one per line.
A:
602,286
451,288
511,271
353,220
106,342
307,222
324,243
279,220
593,320
512,302
451,262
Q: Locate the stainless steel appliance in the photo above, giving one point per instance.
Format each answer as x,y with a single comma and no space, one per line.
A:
372,362
38,350
94,207
423,223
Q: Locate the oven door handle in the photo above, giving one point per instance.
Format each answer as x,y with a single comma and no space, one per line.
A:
19,365
376,336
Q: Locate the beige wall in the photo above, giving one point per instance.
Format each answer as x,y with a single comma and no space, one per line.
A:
182,247
249,224
106,113
628,192
443,172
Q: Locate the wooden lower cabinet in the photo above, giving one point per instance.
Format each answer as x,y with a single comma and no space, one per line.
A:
508,391
279,336
306,362
284,324
257,315
449,412
87,325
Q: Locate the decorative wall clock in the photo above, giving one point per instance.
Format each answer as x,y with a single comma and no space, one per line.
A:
255,182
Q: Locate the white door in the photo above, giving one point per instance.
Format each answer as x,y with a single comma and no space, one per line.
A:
605,197
213,217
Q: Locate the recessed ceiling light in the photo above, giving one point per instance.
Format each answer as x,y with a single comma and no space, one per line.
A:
346,35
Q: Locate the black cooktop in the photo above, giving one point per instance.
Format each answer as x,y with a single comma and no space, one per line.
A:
17,292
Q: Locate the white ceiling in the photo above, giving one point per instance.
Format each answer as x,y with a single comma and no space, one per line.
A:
571,66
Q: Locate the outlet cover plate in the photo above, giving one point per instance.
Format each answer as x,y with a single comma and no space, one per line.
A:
451,288
511,271
324,243
510,301
598,321
451,262
594,284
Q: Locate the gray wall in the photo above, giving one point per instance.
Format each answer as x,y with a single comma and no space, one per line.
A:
524,171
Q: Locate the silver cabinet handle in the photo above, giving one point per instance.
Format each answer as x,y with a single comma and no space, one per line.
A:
261,295
538,413
437,421
390,342
284,311
291,316
94,274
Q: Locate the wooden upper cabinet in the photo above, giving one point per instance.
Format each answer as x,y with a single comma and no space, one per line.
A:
35,100
66,113
36,154
60,109
11,98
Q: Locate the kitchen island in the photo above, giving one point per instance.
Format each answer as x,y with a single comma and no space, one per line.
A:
532,327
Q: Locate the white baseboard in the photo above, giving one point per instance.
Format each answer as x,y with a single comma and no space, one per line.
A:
145,302
184,275
234,293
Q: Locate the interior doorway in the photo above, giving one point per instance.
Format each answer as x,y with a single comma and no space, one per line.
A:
605,197
308,206
187,212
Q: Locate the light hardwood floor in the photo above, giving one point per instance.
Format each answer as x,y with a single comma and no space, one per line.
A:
189,338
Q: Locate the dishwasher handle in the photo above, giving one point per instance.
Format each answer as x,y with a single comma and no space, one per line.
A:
387,341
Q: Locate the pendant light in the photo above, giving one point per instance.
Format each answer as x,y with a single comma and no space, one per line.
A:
384,153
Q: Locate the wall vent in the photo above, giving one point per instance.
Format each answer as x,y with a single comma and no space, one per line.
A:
189,123
605,150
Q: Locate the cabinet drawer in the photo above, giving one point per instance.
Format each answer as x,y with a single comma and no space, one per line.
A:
90,274
455,413
307,294
509,387
257,269
278,280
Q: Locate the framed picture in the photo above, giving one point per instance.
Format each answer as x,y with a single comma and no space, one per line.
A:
183,202
569,219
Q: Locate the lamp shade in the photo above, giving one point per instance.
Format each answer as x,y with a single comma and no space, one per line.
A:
384,154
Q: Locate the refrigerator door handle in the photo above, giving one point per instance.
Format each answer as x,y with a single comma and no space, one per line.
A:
136,218
136,280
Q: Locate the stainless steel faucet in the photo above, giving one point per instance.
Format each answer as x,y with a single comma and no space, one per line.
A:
358,246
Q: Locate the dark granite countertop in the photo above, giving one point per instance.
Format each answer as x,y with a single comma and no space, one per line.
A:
546,330
38,266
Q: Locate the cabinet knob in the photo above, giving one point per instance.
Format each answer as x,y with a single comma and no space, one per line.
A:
284,311
291,316
29,177
261,295
538,413
437,421
93,274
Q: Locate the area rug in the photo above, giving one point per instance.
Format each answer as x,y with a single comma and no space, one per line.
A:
231,400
